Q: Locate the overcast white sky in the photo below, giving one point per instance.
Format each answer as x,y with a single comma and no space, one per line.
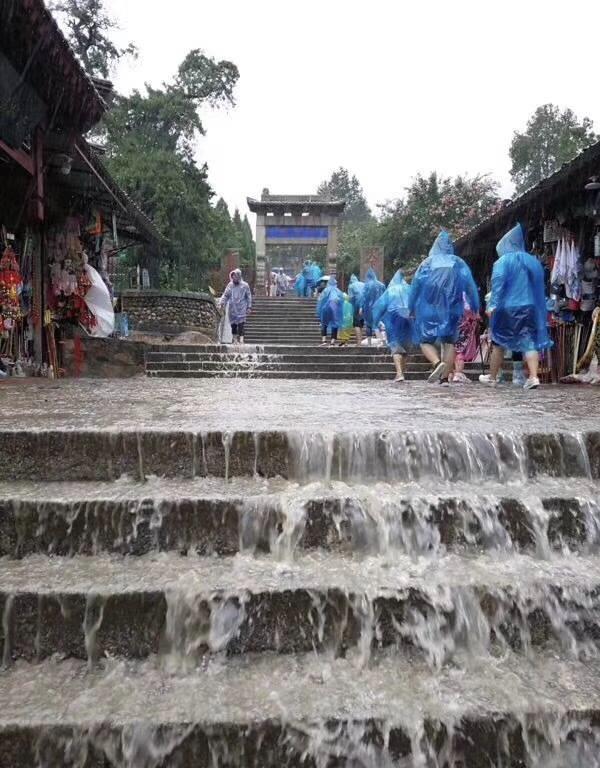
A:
387,88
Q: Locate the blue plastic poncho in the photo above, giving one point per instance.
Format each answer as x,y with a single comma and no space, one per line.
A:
308,278
300,285
355,292
518,300
316,272
330,307
372,291
436,295
391,309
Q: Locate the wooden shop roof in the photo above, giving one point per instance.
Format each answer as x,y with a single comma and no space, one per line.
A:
33,43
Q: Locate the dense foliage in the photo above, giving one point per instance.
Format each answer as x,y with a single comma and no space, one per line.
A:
150,138
409,225
550,139
88,27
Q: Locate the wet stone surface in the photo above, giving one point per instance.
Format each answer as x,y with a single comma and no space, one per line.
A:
226,404
263,573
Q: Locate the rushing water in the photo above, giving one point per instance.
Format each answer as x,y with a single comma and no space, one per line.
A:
271,577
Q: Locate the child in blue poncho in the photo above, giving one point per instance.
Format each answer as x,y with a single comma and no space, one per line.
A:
437,295
391,309
517,307
355,294
372,291
330,311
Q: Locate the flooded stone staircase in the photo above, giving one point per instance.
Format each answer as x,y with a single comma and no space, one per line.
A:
284,362
283,342
290,597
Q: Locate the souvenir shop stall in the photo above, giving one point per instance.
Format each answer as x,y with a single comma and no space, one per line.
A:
62,216
561,219
55,275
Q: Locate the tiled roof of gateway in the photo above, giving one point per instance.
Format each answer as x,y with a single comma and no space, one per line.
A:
269,202
584,165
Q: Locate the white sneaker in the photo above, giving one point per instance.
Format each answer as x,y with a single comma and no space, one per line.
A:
438,373
486,378
460,378
532,383
399,378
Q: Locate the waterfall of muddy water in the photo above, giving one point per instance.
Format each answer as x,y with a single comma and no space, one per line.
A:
412,456
243,364
375,599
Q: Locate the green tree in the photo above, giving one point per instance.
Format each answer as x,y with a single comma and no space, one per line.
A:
358,226
88,28
343,186
150,139
550,139
409,225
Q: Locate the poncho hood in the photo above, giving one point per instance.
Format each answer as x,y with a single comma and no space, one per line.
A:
512,242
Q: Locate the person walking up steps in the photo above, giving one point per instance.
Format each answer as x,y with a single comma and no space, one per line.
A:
355,293
330,311
392,310
517,307
441,284
238,299
372,291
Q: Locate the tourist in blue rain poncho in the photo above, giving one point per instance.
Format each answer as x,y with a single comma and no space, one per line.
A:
317,273
300,285
355,294
330,311
517,307
437,295
311,273
391,309
308,283
372,291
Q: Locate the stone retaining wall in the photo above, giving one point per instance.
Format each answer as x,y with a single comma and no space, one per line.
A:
171,311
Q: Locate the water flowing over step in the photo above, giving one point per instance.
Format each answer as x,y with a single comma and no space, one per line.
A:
504,713
285,359
56,455
283,342
286,519
184,608
210,575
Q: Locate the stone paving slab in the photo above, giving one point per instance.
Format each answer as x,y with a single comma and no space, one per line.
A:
325,406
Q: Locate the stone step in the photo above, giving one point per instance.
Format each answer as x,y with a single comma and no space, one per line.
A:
307,363
249,349
185,607
358,456
291,367
511,713
211,518
294,334
259,359
346,375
